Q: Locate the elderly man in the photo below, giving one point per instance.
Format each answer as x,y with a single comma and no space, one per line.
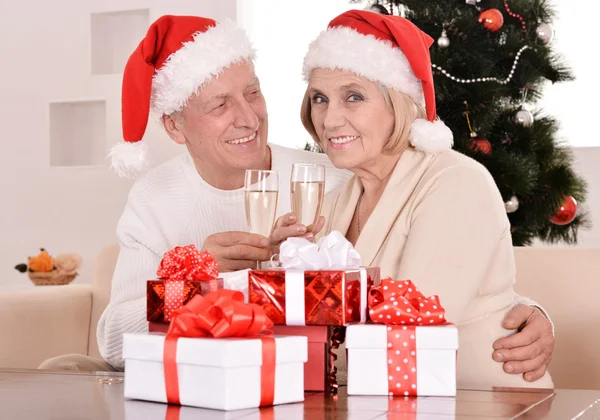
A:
198,76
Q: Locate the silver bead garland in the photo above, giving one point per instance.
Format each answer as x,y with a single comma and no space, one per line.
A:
485,79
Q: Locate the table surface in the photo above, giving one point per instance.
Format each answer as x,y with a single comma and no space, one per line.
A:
33,394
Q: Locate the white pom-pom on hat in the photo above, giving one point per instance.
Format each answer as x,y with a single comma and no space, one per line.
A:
129,159
430,137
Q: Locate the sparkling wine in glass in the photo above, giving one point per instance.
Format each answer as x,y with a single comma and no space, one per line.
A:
262,189
307,190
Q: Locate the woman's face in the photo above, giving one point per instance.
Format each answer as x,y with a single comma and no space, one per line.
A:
350,116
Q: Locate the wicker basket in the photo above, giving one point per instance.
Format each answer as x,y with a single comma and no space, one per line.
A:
51,279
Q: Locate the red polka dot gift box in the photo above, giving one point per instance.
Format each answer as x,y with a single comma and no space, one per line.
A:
183,273
407,348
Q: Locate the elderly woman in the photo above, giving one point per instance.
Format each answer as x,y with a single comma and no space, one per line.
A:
414,207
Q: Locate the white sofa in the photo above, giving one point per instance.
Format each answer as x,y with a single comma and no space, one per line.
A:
47,321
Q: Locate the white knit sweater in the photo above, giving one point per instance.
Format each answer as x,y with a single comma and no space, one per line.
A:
169,206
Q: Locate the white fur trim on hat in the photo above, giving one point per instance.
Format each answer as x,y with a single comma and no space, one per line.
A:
430,137
196,62
128,159
346,49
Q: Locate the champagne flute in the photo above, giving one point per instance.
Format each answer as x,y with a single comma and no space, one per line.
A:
261,190
307,187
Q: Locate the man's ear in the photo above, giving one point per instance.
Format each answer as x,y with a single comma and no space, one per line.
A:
172,126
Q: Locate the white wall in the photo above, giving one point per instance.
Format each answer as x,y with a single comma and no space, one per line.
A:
576,38
281,36
46,57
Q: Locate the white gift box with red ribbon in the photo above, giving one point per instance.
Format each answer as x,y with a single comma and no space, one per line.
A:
218,353
220,374
425,366
409,349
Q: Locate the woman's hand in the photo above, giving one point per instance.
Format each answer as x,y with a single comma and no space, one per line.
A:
529,351
287,227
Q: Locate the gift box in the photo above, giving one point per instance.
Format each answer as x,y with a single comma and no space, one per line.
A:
426,366
214,356
183,273
222,374
409,349
298,298
158,327
318,284
165,296
315,369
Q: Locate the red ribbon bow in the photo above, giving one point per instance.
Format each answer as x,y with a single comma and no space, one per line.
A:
187,263
401,306
220,314
183,263
401,303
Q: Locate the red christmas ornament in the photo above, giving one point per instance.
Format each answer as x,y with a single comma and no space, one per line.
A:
492,19
566,213
481,145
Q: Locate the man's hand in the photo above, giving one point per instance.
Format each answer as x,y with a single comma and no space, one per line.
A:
528,351
237,250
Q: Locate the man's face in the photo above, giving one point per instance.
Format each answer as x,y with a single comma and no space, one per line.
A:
225,125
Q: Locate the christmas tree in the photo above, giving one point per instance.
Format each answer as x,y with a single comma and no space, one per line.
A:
491,62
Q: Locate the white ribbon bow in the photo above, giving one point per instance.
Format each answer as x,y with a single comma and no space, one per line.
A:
332,252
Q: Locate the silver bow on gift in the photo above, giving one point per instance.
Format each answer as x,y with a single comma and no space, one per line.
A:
332,252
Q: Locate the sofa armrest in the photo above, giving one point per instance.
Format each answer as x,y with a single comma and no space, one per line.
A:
43,322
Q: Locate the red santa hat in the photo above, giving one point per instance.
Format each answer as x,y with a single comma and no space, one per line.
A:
390,50
176,57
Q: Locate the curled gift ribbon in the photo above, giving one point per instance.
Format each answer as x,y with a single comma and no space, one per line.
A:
184,263
220,314
401,306
338,336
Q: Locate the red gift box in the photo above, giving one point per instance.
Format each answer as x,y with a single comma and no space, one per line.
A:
166,296
159,327
183,273
327,297
315,369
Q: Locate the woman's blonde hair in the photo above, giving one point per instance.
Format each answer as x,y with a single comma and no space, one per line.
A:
402,106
